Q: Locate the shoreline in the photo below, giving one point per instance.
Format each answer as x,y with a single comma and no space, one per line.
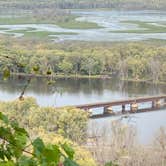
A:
73,76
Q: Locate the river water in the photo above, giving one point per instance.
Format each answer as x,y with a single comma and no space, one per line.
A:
81,91
109,20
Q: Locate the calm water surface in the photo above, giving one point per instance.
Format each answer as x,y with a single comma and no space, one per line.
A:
81,91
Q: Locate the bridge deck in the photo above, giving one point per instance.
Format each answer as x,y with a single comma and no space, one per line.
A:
121,102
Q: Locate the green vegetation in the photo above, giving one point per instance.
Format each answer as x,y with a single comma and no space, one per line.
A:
78,25
17,20
146,27
64,22
53,125
15,143
63,121
3,29
64,130
136,61
20,148
42,35
71,23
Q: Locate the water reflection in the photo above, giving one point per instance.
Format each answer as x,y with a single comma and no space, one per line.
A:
76,91
79,91
146,124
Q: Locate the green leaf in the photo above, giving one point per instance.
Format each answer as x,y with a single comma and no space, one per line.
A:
8,163
69,151
2,155
52,154
4,118
38,146
8,154
20,142
5,133
18,129
26,161
69,162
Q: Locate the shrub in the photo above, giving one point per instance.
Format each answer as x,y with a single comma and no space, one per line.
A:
69,122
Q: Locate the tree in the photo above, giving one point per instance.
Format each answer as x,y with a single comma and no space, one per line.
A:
65,66
137,67
155,69
89,65
122,69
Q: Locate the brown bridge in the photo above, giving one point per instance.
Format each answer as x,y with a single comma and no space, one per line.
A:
157,102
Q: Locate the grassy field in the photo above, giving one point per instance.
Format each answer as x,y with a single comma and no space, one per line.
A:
73,24
3,29
69,22
146,27
30,33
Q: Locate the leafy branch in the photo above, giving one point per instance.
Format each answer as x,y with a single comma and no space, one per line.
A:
15,150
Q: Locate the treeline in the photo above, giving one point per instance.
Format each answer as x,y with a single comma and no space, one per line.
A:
137,61
84,4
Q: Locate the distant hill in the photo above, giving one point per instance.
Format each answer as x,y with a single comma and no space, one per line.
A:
65,4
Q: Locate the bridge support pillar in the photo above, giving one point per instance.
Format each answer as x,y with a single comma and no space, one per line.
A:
153,104
105,110
156,104
123,109
108,110
134,107
90,112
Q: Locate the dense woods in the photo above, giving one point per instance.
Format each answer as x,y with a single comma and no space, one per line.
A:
136,61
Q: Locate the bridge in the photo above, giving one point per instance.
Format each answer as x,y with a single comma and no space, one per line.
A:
156,103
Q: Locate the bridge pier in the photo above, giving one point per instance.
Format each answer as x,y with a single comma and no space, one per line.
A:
105,110
108,109
90,112
134,107
153,104
123,108
156,103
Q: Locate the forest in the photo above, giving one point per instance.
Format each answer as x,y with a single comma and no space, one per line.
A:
137,61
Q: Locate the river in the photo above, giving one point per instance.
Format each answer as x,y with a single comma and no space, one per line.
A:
80,91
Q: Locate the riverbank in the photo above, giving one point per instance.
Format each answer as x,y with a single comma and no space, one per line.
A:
68,22
62,76
78,76
143,81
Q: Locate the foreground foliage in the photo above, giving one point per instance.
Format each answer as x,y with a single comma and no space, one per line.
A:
15,142
52,125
